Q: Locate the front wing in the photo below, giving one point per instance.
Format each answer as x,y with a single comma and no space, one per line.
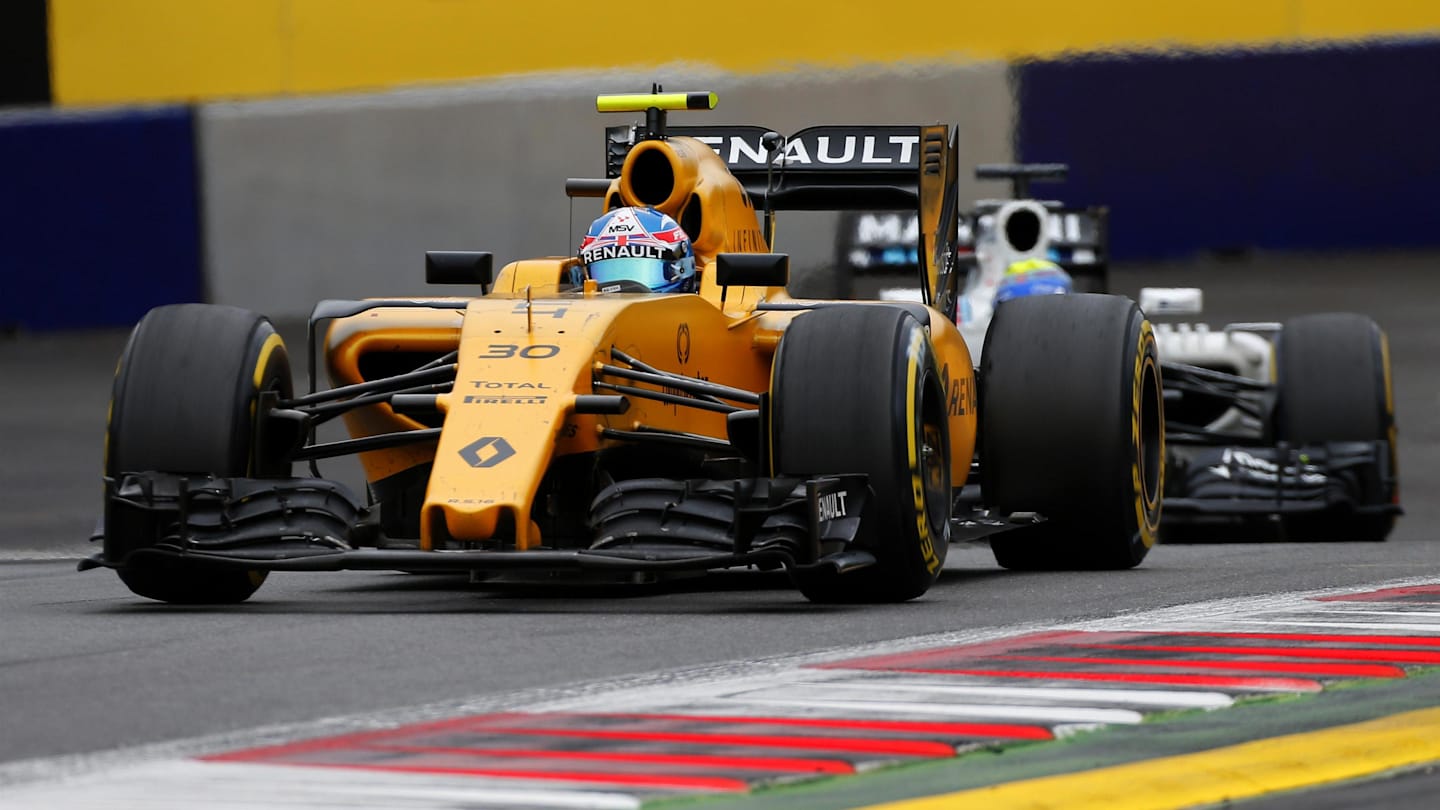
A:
1351,477
314,524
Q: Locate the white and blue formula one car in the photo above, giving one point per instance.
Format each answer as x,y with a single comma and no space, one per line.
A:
884,244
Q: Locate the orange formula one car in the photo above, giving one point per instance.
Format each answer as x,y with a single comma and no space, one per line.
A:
567,420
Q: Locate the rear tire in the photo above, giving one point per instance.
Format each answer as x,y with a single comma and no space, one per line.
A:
1071,427
856,389
184,401
1334,384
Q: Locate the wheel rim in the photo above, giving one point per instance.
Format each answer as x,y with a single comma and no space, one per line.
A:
935,464
934,470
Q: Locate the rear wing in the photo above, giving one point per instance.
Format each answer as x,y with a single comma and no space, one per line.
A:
838,168
822,168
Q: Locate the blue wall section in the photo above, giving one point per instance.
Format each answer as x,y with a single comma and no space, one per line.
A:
99,216
1297,149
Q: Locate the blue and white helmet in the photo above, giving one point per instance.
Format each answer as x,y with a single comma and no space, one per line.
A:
641,246
1032,277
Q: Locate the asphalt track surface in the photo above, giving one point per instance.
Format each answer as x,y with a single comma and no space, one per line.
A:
85,666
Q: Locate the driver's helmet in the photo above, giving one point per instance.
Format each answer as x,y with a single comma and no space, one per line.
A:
1032,277
641,246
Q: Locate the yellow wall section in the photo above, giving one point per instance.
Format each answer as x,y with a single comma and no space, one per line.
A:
158,50
107,51
1361,18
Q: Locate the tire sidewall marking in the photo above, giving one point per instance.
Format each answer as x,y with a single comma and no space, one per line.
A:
915,355
1147,504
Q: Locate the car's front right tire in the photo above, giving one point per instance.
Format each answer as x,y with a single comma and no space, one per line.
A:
185,401
1334,385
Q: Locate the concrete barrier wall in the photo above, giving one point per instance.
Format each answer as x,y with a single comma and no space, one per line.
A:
340,197
99,216
1328,148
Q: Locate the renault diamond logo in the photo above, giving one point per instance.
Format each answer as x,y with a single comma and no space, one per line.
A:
486,452
682,343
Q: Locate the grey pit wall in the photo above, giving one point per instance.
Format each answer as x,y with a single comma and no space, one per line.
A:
339,197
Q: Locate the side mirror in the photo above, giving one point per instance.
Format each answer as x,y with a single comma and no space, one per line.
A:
460,267
752,269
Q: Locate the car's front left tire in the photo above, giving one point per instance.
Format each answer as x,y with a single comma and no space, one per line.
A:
1072,428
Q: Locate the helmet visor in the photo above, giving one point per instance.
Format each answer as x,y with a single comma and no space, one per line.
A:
653,273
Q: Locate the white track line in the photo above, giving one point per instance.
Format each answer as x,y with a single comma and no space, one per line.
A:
234,786
1040,696
1349,611
1367,626
39,556
989,712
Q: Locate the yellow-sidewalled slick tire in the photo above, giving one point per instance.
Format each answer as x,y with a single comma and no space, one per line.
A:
1072,427
185,401
856,389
